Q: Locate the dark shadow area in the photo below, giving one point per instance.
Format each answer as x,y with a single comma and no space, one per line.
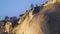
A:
54,20
37,9
5,33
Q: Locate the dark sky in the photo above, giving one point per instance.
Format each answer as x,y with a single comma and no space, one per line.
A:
16,7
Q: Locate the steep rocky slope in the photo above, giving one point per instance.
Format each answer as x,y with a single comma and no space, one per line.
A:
44,19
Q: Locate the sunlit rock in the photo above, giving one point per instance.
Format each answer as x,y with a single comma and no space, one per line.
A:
8,27
44,21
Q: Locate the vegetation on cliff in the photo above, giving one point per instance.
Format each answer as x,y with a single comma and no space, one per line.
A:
43,19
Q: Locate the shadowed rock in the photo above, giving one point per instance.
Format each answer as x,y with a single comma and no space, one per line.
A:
44,21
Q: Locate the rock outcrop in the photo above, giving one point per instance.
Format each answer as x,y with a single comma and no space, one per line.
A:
44,19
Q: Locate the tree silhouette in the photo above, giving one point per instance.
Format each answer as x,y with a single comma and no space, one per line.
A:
15,21
6,18
32,6
11,19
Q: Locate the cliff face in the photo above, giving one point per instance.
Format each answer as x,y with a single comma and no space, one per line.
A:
44,19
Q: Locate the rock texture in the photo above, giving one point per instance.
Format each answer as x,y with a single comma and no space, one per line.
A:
44,19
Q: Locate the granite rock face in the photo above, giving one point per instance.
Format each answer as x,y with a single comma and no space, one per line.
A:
43,19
